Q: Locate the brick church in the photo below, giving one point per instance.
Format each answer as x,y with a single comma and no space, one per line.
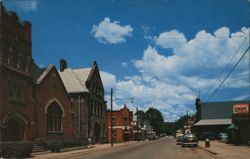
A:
85,89
35,102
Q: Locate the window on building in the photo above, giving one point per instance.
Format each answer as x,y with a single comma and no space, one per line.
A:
113,121
101,110
8,60
93,106
23,67
4,59
16,90
1,56
96,108
27,68
14,63
19,63
114,133
20,54
126,121
54,118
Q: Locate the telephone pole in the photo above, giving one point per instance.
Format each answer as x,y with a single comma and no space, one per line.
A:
111,115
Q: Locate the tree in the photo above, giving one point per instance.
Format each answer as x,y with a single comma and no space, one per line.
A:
141,114
168,128
155,119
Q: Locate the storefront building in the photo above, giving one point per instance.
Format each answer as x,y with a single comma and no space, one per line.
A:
231,117
240,129
121,125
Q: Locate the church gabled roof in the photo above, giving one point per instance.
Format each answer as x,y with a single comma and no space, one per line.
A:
82,74
73,81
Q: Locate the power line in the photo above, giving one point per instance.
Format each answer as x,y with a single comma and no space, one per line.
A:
228,74
68,35
225,68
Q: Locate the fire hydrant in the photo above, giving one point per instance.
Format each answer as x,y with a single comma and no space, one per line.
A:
207,143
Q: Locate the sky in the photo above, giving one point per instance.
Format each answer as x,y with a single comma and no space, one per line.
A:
162,53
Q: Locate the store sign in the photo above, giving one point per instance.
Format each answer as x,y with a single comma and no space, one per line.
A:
241,109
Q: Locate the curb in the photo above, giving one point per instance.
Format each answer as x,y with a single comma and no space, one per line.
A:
87,149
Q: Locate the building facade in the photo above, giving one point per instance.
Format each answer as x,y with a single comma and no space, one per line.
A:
141,128
86,91
53,107
33,101
240,129
231,117
16,106
121,123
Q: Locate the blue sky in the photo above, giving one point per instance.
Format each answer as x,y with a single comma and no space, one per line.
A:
163,53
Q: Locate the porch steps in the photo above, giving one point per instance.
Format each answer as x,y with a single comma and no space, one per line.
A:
38,148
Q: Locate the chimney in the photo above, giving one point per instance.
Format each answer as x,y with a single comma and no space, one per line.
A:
63,65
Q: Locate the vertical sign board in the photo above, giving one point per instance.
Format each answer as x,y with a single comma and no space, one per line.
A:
241,109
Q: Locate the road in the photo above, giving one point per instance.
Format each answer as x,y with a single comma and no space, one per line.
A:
165,148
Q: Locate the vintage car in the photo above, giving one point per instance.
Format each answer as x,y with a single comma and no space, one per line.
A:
189,140
179,139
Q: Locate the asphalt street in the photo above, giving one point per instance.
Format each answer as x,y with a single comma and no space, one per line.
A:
159,149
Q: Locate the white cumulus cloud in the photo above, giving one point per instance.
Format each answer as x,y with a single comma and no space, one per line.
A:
171,82
171,39
111,32
108,80
124,64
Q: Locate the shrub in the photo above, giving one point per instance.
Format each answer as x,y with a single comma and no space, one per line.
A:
41,142
70,143
23,149
18,149
6,149
77,141
55,145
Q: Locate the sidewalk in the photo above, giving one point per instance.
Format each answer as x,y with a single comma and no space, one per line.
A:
227,151
49,155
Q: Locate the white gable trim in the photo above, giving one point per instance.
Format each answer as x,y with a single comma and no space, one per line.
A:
50,102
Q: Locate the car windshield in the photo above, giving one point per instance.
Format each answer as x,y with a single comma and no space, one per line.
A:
223,134
189,136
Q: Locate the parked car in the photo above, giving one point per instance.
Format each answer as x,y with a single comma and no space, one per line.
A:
179,139
189,140
157,137
153,137
208,135
222,136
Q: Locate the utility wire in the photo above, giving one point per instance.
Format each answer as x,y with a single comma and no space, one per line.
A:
228,74
225,68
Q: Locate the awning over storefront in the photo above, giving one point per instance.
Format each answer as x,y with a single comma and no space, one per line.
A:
207,122
233,127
